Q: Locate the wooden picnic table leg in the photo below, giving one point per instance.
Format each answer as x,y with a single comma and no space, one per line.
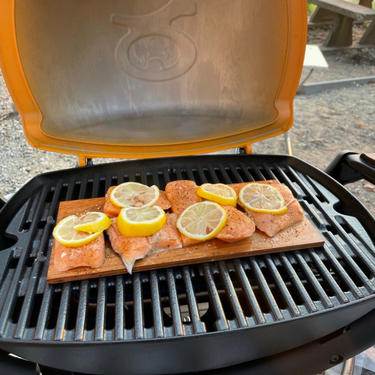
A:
341,32
369,35
321,15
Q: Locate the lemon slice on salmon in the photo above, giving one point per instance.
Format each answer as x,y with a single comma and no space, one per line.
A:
65,233
202,221
219,193
141,221
262,198
93,222
134,194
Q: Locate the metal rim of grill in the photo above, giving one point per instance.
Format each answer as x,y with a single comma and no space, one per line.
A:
190,301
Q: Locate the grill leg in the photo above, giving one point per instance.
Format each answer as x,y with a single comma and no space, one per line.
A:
288,143
348,367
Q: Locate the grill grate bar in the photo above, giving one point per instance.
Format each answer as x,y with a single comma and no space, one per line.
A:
339,247
63,313
198,325
341,271
44,314
138,307
9,292
282,287
264,287
178,327
345,238
249,293
202,177
309,304
224,173
368,260
234,172
232,296
156,307
221,323
27,303
246,173
328,277
83,187
313,281
120,306
82,311
70,190
95,186
101,303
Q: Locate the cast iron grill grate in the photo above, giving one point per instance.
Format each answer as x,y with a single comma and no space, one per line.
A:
182,301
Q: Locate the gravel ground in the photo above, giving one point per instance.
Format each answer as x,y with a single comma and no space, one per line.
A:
325,124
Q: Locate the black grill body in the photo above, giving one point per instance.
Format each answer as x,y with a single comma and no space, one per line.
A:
192,318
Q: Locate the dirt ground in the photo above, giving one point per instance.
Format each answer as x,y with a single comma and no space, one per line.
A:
325,123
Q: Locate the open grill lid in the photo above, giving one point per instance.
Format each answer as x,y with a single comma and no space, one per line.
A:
144,78
156,321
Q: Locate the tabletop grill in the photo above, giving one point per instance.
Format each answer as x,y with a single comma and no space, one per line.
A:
253,302
158,81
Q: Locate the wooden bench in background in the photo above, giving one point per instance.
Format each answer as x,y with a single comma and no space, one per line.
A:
343,14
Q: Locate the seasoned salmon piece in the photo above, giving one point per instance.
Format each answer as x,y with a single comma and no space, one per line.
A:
163,202
90,255
272,224
109,208
168,237
182,194
187,241
237,227
113,211
130,249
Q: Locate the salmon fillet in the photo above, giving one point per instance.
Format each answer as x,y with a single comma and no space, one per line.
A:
113,211
237,227
90,255
130,249
163,202
272,224
187,241
168,237
182,194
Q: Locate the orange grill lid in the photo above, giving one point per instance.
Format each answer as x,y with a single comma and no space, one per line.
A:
142,78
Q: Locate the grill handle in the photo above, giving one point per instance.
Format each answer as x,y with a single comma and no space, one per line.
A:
350,166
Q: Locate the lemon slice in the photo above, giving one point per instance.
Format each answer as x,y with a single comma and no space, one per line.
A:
134,194
262,198
65,233
93,222
140,221
202,221
219,193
